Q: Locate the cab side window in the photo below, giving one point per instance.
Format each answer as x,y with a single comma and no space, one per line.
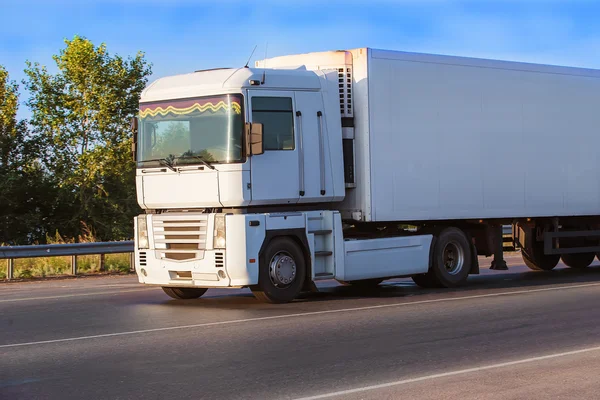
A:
276,115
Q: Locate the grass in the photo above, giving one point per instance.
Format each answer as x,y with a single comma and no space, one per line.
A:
25,268
53,266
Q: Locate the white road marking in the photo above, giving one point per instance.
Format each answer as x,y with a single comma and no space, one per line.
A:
304,314
447,374
29,286
119,285
75,295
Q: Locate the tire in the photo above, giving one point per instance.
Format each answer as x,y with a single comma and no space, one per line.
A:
578,260
184,293
282,254
450,262
425,281
536,260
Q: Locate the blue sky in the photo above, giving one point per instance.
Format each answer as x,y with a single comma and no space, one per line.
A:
182,35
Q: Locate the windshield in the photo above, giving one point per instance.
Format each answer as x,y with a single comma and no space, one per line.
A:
191,131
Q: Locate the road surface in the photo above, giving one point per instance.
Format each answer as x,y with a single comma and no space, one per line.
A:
506,335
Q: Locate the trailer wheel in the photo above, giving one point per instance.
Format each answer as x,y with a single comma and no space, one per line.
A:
282,269
578,260
536,260
451,261
184,293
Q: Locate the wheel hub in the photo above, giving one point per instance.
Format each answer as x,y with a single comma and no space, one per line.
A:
454,258
282,269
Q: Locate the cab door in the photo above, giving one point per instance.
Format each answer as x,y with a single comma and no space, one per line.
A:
315,149
275,174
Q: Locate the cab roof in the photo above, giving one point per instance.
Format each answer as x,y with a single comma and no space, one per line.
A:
228,79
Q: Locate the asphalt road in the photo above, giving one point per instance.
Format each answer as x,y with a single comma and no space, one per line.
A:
506,335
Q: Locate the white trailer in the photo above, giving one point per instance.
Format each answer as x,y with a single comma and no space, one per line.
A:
360,166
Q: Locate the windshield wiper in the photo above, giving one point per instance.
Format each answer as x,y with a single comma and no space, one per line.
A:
199,158
164,161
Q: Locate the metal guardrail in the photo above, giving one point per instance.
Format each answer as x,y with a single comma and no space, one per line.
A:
73,250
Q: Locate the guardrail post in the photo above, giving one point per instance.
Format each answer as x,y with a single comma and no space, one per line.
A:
131,262
74,264
102,262
10,268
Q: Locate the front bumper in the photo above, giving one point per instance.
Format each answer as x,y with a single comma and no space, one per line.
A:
209,272
234,266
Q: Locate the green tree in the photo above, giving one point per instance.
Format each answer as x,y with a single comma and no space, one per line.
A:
81,116
24,185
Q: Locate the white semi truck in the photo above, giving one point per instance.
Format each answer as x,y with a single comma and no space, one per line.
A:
360,166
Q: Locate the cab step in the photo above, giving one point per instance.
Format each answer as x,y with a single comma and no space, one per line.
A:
323,253
324,275
321,232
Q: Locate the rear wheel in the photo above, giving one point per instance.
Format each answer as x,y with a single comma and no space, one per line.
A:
578,260
451,261
425,281
184,293
281,271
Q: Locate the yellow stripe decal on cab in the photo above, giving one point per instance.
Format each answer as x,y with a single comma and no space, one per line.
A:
235,107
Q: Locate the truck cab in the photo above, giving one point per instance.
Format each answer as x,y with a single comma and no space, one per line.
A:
216,148
194,147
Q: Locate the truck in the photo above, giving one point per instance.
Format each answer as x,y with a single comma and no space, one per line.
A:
363,165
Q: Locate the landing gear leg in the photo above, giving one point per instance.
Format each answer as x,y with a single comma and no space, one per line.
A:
498,264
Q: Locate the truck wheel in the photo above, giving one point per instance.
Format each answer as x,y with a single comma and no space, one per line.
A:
536,260
578,260
451,261
281,271
425,281
184,293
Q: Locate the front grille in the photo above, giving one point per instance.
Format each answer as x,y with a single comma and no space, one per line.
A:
180,236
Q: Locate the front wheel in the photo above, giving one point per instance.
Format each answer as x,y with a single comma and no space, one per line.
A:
184,293
281,271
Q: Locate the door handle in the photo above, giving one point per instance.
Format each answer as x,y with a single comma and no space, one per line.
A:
300,154
321,153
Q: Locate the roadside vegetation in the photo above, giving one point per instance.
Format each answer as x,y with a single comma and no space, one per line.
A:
69,167
70,164
26,268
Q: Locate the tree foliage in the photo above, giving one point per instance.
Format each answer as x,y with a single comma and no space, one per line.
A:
80,118
23,184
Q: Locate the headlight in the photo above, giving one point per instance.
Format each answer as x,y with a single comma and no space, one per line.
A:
219,240
142,232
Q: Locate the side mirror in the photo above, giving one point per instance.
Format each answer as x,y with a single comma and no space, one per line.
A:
254,135
134,147
134,129
134,124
